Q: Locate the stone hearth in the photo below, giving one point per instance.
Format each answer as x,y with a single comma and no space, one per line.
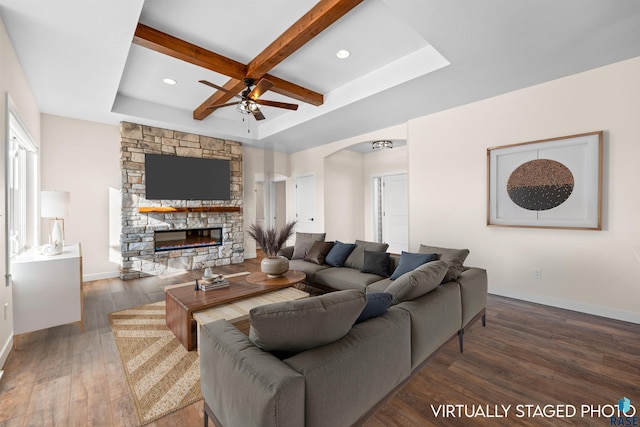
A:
137,240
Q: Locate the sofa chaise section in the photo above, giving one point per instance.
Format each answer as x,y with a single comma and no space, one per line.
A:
245,386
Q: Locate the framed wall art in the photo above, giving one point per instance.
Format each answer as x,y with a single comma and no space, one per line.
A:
551,183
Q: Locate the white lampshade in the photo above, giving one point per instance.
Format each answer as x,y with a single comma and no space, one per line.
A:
55,204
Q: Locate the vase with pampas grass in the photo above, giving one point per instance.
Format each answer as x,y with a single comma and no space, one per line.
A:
271,241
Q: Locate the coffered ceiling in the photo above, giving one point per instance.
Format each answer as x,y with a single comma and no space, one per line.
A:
408,58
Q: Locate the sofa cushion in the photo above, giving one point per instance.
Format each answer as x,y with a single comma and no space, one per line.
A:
410,261
377,304
303,243
339,253
318,252
308,268
417,282
376,263
379,286
453,257
345,278
356,258
305,323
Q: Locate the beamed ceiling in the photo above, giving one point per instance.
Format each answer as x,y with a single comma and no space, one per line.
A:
105,60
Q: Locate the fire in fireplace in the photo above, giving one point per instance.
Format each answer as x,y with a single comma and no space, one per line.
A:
169,240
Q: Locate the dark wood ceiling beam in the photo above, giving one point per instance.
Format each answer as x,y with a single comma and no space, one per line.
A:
166,44
172,46
312,23
294,91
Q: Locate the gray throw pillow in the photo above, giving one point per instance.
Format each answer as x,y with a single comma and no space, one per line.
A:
417,282
303,324
303,243
356,257
453,257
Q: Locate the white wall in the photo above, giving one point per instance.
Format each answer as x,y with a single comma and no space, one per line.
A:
344,196
13,84
83,158
591,271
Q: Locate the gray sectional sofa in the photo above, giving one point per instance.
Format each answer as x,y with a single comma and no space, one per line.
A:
305,362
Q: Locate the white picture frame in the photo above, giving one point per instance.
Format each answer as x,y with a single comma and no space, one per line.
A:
550,183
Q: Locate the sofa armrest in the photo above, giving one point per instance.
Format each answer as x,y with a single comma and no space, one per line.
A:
473,290
244,385
287,252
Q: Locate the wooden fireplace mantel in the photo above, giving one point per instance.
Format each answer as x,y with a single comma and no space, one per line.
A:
169,209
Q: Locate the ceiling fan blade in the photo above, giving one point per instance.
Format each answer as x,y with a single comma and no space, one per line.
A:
277,104
262,86
213,107
215,86
258,115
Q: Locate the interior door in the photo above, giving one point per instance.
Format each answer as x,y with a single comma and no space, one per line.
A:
395,216
306,204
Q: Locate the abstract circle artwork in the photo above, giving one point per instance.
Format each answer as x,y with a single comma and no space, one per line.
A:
540,185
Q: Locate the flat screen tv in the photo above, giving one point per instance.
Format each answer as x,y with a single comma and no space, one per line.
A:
186,178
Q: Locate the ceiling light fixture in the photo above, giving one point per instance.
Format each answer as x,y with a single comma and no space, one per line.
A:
247,106
343,54
169,81
381,145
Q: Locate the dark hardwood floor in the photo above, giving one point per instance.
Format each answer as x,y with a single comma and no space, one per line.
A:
527,355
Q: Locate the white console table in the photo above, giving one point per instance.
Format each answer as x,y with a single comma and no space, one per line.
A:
47,290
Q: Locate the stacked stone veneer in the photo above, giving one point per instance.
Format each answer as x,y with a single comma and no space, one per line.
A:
136,239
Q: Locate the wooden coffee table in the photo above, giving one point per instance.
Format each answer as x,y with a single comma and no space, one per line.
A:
183,301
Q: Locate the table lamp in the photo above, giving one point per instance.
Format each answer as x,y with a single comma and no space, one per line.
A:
55,206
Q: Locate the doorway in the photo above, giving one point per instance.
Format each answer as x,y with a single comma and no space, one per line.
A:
391,211
271,200
305,203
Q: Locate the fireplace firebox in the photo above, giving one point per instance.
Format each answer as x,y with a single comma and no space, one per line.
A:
169,240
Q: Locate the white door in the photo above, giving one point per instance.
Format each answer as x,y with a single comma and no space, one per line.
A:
306,204
395,217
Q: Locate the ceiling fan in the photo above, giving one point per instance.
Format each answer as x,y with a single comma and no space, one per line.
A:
249,98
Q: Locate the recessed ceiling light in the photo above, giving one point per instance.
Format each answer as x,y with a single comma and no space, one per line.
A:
169,81
343,53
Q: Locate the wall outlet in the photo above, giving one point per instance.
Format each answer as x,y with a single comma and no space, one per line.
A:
6,310
536,273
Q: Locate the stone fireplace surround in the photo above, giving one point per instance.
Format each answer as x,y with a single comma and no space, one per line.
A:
142,217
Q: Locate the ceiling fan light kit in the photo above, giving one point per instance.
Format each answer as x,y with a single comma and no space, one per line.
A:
249,98
382,144
247,106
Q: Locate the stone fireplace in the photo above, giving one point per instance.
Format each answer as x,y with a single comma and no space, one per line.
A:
164,236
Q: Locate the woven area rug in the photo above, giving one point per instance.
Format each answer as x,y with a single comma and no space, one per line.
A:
162,376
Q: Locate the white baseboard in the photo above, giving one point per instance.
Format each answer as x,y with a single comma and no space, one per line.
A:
100,276
6,349
596,310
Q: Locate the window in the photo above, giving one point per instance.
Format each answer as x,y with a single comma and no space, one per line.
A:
21,188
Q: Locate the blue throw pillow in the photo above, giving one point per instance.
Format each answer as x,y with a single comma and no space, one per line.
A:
410,261
377,304
339,253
